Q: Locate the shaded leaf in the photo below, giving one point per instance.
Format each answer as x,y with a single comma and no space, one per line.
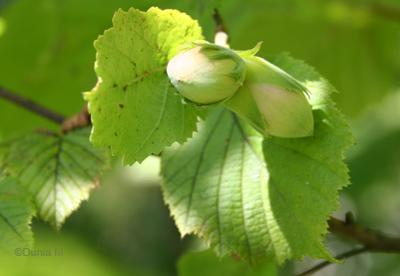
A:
58,170
16,212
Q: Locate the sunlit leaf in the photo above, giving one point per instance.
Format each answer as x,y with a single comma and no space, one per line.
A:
135,109
260,198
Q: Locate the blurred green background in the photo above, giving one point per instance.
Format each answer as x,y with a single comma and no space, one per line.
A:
47,54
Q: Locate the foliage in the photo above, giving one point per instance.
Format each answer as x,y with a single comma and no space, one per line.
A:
16,212
248,196
232,188
135,109
57,170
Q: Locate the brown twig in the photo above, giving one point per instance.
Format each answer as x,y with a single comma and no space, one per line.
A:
79,120
31,106
386,11
371,240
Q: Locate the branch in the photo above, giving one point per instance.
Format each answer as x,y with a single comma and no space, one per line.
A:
371,241
31,106
78,120
387,11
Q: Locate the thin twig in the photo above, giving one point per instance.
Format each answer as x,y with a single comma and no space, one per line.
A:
371,240
31,106
386,11
343,256
78,120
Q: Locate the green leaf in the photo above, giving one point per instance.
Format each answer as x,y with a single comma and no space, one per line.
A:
306,174
58,170
16,212
135,110
206,263
210,179
260,199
